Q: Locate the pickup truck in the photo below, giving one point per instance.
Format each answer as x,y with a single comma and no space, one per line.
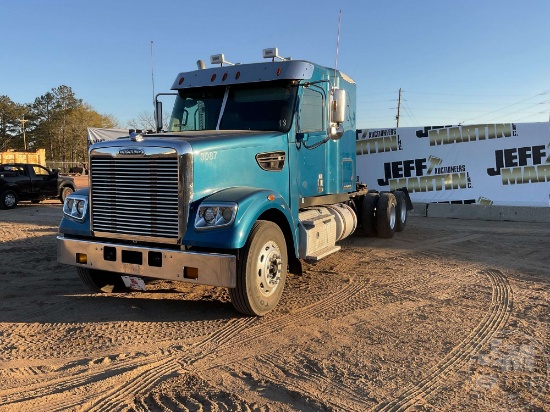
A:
19,181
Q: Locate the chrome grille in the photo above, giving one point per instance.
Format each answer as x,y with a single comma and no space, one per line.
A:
135,196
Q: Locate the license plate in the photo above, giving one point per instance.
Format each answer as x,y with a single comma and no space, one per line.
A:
134,283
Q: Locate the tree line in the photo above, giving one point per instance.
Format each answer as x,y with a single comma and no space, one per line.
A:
56,121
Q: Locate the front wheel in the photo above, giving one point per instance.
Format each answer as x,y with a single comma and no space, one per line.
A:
65,191
100,281
8,199
261,270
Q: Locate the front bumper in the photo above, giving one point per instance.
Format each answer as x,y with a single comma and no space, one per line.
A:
194,267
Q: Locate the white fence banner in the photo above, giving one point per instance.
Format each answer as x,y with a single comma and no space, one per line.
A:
500,164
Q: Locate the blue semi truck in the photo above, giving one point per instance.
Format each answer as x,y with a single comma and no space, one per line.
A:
256,172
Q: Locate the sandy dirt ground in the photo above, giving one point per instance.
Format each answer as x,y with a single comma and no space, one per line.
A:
450,315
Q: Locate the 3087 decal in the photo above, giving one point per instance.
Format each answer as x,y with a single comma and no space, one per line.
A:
208,156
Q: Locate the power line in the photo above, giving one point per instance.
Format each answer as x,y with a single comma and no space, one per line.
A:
534,114
405,108
505,107
409,112
468,95
520,110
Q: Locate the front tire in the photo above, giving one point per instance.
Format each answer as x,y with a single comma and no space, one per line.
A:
65,191
261,270
100,281
8,199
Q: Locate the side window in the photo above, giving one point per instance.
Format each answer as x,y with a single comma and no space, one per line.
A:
40,171
311,111
185,116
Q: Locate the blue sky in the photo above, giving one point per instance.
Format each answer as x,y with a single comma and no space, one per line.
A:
457,61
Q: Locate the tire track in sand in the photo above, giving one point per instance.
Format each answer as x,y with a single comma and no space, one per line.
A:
492,322
138,381
272,325
494,319
221,344
52,385
134,376
141,376
333,390
207,354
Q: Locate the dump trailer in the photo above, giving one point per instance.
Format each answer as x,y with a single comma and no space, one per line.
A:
256,172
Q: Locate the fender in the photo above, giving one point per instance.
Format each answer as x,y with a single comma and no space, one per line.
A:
10,186
73,227
252,203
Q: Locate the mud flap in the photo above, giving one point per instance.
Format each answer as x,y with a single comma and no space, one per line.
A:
407,197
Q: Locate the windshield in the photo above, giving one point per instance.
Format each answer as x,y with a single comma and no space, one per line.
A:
265,106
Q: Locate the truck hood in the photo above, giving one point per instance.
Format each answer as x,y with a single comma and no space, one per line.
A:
212,136
229,159
66,178
196,139
220,159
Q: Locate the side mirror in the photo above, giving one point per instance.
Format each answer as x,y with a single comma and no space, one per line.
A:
158,115
338,113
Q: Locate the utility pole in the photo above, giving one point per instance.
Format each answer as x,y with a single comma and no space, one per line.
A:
398,107
23,121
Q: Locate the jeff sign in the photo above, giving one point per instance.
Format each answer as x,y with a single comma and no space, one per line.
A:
500,164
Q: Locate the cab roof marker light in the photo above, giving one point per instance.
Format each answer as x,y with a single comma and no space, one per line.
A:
273,53
219,59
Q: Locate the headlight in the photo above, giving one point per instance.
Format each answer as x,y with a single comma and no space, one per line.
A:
215,215
75,207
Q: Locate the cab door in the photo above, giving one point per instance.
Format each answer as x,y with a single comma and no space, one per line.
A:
311,140
44,182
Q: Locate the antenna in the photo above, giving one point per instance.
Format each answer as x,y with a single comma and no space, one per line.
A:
153,73
337,44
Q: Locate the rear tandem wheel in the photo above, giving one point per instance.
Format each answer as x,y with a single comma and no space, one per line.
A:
385,215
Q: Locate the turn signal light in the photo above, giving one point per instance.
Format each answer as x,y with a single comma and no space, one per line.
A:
82,258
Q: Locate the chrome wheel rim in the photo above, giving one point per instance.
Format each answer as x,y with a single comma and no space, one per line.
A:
9,200
392,217
268,268
403,214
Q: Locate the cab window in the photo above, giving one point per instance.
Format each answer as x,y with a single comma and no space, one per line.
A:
311,111
40,171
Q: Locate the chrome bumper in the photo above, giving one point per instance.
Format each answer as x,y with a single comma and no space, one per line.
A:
186,266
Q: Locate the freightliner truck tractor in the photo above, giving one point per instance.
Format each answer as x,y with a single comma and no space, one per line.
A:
256,172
